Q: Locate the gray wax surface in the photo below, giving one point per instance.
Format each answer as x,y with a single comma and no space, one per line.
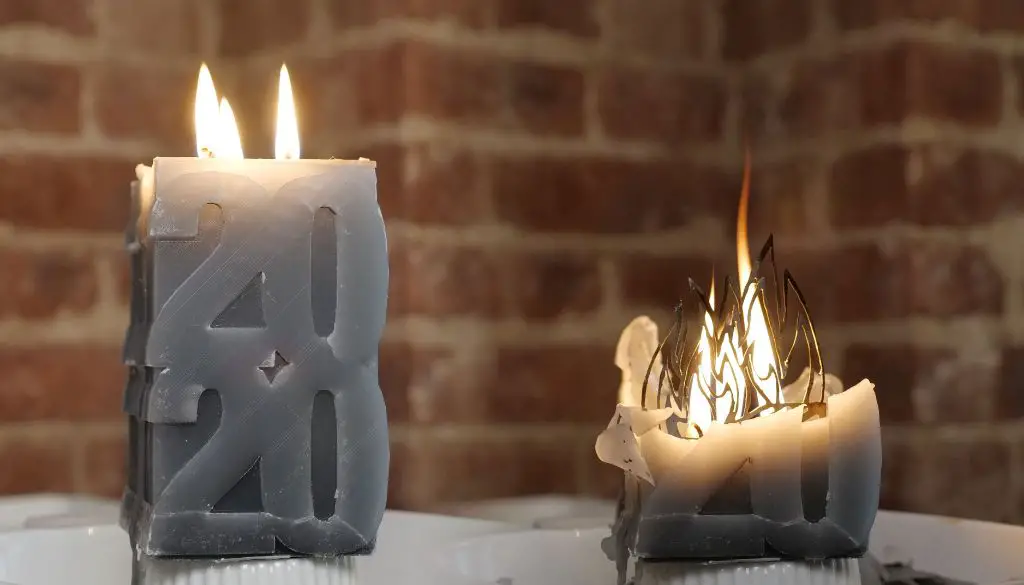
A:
256,423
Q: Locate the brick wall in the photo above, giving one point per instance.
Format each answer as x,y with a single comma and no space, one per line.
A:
548,170
86,92
888,141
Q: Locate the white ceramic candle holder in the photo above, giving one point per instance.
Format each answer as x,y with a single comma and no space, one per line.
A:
827,572
250,571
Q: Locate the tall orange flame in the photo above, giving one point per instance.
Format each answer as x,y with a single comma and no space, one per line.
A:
756,343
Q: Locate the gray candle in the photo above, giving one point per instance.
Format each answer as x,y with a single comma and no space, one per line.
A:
724,463
258,423
674,521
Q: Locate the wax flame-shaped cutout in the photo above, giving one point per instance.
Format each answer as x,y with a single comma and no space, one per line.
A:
706,402
216,131
286,143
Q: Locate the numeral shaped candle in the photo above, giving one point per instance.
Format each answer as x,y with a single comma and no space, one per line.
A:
723,459
256,423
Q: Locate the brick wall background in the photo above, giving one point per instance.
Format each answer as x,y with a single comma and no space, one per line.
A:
548,170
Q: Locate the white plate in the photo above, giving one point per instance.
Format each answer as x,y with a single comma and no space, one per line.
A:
17,512
979,552
74,543
409,550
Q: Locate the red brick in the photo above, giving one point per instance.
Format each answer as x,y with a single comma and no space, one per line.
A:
443,281
70,16
122,279
621,196
546,99
350,14
668,108
103,463
950,279
920,384
757,99
1018,464
483,467
401,489
954,84
858,15
909,277
546,286
662,30
424,384
575,17
148,103
412,78
1010,391
543,384
61,382
825,95
87,193
249,26
467,13
816,277
781,198
988,16
959,389
378,73
998,16
118,262
39,97
1018,76
446,280
870,187
42,284
894,370
452,84
750,29
400,363
32,463
883,87
433,183
437,385
963,187
987,494
884,91
904,472
660,282
924,470
151,26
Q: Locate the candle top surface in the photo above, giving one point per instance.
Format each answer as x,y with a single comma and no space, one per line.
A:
227,161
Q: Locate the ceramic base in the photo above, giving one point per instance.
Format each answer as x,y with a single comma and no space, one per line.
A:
250,571
827,572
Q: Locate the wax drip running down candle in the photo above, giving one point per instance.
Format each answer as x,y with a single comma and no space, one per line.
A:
259,292
723,460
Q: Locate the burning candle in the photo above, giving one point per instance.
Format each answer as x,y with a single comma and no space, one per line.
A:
259,290
723,461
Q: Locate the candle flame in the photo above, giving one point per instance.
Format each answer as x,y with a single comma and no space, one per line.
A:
755,343
216,131
230,145
207,115
286,144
